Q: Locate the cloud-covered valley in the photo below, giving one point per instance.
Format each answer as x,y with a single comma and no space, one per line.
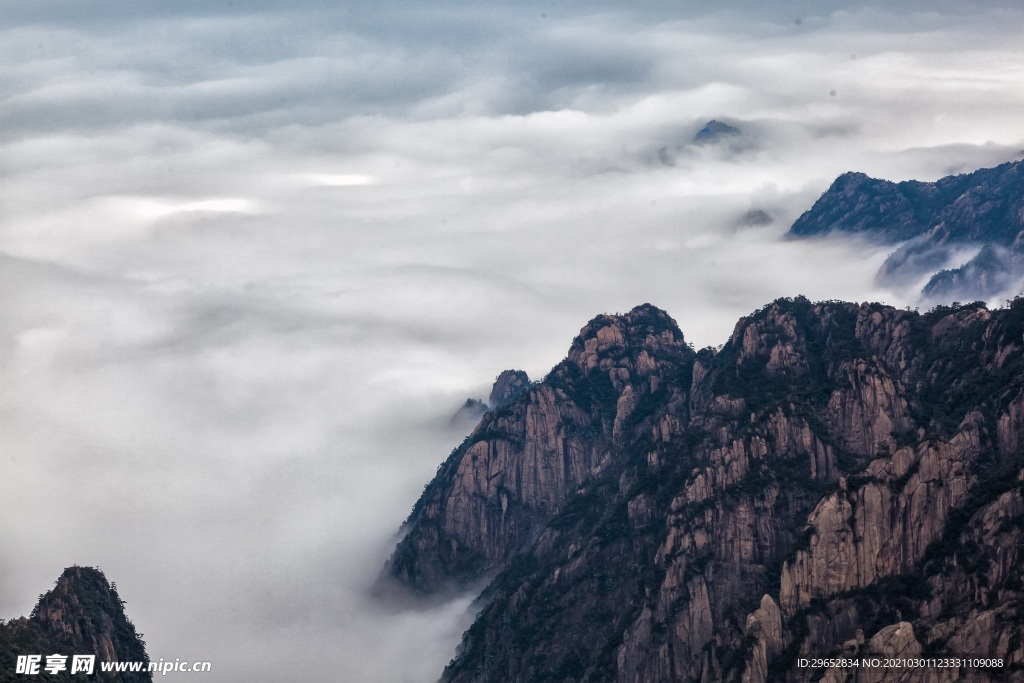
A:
254,255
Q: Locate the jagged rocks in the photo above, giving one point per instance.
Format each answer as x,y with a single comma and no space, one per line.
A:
883,526
508,386
764,626
82,614
511,474
837,478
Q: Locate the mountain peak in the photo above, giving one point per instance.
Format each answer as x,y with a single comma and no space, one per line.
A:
508,386
713,131
643,318
544,444
936,222
858,203
838,478
81,614
627,344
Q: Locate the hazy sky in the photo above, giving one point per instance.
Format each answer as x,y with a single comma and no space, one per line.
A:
253,255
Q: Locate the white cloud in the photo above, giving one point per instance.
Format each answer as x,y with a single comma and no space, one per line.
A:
337,179
253,259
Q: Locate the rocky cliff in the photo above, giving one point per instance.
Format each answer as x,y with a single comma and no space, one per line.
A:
508,386
82,614
939,224
837,478
499,489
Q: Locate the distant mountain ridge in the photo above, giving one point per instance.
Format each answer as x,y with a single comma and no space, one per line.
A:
722,137
935,221
713,131
82,614
837,479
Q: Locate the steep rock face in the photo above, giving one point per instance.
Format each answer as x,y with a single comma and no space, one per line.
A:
82,614
936,222
884,525
838,478
508,386
895,641
496,491
764,626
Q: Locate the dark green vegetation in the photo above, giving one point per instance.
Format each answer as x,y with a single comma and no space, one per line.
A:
82,614
835,474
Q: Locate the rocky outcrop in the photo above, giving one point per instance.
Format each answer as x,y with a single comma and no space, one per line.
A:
764,627
884,525
508,386
896,641
836,479
469,414
497,490
937,223
82,614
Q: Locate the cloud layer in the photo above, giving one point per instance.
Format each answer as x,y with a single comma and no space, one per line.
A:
254,255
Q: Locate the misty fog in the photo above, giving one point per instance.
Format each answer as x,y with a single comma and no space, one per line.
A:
254,256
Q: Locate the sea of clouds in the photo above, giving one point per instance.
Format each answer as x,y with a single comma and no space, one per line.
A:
253,255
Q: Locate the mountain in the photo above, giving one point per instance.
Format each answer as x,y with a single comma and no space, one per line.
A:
468,415
837,479
714,131
714,137
82,614
503,484
936,223
508,386
756,218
